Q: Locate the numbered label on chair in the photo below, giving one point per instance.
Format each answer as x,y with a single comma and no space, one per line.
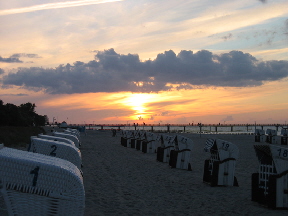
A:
35,173
53,151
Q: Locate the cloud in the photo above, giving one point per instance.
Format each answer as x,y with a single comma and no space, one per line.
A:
10,60
12,95
228,118
113,72
1,71
54,6
263,1
27,55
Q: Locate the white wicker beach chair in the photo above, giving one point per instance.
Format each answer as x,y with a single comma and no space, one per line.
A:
126,136
35,184
284,136
271,136
73,131
270,184
167,144
180,157
56,149
219,169
259,135
139,139
149,144
68,136
60,139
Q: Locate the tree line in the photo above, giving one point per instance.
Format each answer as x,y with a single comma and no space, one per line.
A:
23,115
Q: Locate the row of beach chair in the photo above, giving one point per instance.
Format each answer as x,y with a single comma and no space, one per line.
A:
176,150
46,179
270,136
269,185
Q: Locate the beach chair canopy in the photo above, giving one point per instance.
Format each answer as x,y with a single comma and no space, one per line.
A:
183,143
273,153
35,184
224,148
68,136
60,139
56,149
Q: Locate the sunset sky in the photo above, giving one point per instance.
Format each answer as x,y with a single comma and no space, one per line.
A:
134,61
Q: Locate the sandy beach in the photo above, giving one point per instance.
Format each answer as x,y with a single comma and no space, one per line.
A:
124,181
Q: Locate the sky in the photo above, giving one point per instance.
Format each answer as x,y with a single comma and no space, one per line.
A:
135,61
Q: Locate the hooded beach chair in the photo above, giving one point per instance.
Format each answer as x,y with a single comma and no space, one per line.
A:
56,149
149,144
180,157
141,137
284,136
270,184
271,136
34,184
259,135
219,169
68,136
60,139
167,144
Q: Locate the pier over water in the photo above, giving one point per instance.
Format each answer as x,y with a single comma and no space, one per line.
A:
186,128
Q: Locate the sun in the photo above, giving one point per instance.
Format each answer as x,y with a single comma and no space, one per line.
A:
137,103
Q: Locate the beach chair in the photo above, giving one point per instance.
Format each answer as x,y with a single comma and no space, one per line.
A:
167,144
75,133
56,149
60,139
126,138
148,145
271,136
139,139
34,184
259,135
68,136
270,184
283,136
180,157
123,137
219,169
133,138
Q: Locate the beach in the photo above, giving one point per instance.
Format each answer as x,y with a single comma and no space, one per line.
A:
123,181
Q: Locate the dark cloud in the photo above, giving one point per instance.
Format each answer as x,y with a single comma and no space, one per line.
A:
18,55
10,60
15,58
113,72
263,1
1,71
11,95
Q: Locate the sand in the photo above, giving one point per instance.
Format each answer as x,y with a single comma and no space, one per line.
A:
124,181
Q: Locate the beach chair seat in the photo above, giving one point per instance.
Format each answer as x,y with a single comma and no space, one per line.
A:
60,139
35,184
148,145
270,183
259,135
163,151
271,136
180,157
219,169
284,136
68,136
56,149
